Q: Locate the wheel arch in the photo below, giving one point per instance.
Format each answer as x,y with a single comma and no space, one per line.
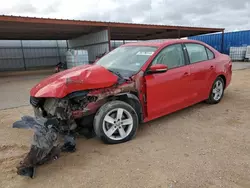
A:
224,79
132,100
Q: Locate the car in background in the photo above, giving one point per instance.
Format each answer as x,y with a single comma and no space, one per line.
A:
133,84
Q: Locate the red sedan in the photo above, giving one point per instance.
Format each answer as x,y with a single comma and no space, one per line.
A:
132,84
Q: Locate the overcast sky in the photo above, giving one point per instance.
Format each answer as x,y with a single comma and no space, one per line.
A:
230,14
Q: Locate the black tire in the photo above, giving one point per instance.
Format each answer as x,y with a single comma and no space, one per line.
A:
212,99
100,125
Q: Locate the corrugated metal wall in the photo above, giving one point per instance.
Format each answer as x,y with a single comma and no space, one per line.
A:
96,44
117,43
21,55
231,39
10,55
96,50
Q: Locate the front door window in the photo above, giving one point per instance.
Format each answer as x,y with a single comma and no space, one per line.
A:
172,56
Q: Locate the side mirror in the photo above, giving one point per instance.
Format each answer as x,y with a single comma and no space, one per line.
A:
158,68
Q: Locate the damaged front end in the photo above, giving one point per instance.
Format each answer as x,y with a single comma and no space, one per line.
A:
63,112
53,108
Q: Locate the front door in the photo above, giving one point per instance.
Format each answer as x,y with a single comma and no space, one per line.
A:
169,91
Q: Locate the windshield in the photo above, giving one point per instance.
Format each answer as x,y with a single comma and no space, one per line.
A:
127,60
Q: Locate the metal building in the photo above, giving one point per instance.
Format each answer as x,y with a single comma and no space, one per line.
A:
90,35
231,39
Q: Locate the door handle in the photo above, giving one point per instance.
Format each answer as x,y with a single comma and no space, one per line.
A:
211,67
186,74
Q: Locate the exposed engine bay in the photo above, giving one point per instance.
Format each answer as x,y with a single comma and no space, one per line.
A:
65,110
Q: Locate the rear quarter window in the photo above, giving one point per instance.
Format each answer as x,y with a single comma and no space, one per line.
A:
210,54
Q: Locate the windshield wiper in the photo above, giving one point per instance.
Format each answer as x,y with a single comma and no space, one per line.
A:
121,78
116,73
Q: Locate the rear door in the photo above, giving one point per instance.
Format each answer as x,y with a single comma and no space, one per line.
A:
202,69
169,91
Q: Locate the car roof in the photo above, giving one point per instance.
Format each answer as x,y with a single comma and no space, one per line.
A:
160,43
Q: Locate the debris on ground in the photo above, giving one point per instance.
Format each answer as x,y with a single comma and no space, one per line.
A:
45,144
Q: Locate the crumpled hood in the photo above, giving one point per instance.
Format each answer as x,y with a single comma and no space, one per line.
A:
79,78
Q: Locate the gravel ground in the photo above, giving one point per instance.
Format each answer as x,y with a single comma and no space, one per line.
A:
200,146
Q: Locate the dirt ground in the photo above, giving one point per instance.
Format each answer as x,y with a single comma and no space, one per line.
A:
15,87
201,146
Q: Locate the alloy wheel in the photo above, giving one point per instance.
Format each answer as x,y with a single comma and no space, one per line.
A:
218,90
117,124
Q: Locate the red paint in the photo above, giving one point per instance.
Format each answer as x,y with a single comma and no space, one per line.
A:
181,87
77,114
159,93
158,67
75,79
167,91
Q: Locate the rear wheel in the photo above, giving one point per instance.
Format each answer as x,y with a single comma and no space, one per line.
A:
217,91
116,122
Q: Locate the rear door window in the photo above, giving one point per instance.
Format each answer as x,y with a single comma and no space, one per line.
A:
196,52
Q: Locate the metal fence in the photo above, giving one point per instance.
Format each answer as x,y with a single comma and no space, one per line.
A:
24,55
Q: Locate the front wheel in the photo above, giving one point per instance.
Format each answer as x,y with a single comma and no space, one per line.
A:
116,122
217,91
